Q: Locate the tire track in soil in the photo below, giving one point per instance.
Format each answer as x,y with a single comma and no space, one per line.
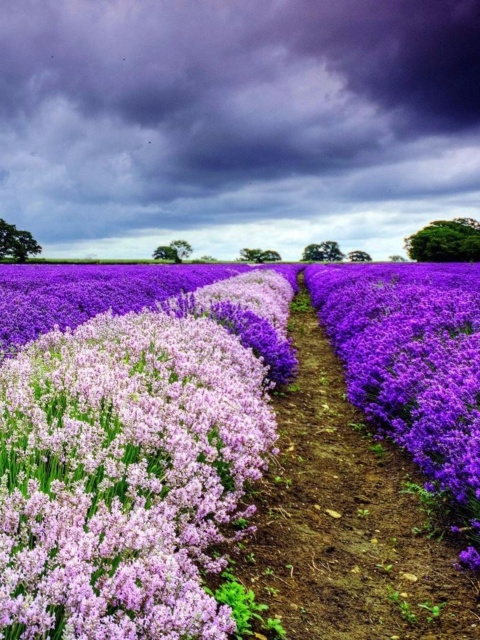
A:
328,577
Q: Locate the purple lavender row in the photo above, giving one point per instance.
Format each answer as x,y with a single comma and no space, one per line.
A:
255,306
35,298
409,337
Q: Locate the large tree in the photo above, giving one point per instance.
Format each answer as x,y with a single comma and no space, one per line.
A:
250,255
259,255
183,249
16,243
164,252
177,251
446,241
359,256
270,256
328,251
7,232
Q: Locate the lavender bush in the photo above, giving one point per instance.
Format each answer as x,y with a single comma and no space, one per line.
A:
254,306
125,447
288,271
258,334
409,336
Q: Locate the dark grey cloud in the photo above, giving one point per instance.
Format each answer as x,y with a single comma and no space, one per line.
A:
419,57
119,116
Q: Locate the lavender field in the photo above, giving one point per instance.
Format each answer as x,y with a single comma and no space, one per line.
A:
136,413
131,423
409,337
35,298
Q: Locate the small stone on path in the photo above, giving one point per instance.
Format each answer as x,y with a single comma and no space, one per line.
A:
333,514
411,577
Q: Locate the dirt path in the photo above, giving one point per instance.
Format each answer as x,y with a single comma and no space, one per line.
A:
334,554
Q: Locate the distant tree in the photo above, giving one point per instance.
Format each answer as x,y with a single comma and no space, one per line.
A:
259,256
251,255
359,256
164,253
446,241
24,245
7,233
182,248
270,256
177,251
396,259
328,251
16,243
208,259
313,253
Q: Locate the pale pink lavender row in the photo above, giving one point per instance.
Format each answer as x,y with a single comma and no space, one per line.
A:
125,447
409,336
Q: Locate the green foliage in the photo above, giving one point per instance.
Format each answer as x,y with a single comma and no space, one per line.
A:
259,256
405,609
16,244
434,609
361,428
176,251
301,302
378,449
241,523
435,506
274,624
446,241
164,253
182,248
396,258
359,256
406,612
328,251
245,609
363,513
270,256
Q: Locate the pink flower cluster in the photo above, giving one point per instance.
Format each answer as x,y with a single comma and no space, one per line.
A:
125,447
266,293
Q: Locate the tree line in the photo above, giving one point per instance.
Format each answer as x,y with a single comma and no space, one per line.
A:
455,240
327,251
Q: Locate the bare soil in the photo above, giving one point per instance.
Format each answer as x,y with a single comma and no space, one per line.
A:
334,525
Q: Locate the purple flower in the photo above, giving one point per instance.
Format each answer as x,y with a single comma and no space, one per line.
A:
409,337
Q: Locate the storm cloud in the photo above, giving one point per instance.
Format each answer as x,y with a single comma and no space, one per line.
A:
126,123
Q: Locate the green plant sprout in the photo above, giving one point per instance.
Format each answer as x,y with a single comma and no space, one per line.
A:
434,609
405,609
378,450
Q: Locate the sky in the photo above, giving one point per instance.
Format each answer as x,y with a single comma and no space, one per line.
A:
273,124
